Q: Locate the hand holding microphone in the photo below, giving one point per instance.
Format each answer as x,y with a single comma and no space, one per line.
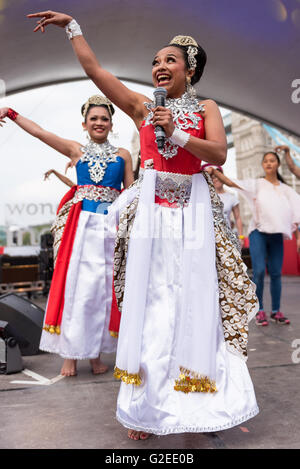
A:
162,117
164,124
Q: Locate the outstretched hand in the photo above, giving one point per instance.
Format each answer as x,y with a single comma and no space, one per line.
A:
209,170
70,164
47,174
3,114
50,17
284,148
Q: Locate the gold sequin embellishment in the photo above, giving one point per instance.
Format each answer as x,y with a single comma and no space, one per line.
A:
127,378
52,329
190,381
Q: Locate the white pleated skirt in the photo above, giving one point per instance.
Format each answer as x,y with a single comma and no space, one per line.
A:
155,406
88,294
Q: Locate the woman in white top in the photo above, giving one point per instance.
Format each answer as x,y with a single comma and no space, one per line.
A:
230,201
276,215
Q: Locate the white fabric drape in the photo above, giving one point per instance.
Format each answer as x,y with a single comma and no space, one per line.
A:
136,283
88,293
196,302
199,309
180,326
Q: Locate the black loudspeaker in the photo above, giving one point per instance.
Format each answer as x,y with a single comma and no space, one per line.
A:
25,321
13,359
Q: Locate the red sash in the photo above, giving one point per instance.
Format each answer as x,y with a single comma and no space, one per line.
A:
57,289
115,315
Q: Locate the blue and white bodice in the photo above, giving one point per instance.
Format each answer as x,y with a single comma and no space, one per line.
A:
100,172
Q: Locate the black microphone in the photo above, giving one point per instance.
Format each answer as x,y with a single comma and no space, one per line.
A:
160,95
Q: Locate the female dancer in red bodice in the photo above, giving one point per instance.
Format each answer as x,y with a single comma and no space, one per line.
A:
183,334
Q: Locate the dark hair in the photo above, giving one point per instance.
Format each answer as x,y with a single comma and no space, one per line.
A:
279,177
110,109
201,58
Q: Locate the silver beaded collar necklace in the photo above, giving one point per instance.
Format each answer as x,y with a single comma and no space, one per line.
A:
184,111
98,155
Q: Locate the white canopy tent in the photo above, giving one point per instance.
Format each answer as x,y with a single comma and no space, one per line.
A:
252,47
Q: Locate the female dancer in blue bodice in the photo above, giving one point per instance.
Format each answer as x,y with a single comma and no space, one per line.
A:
85,299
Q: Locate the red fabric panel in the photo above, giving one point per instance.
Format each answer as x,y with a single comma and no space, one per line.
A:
115,314
291,259
57,290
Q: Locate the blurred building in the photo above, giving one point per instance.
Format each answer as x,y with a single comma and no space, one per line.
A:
227,121
251,142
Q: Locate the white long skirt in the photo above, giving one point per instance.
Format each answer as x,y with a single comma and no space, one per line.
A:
88,293
155,406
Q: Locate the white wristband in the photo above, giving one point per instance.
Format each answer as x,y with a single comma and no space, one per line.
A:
73,29
179,137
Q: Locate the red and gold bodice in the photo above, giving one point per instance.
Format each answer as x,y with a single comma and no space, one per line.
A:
188,116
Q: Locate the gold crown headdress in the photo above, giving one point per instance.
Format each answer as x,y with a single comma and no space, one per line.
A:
97,100
192,50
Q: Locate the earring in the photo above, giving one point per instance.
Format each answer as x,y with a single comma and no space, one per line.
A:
87,135
190,89
114,134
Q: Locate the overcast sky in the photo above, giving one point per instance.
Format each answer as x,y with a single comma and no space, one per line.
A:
25,199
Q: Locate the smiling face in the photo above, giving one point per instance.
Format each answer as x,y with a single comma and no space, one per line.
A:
98,123
169,70
270,164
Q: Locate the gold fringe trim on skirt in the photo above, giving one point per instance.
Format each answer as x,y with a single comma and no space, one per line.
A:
127,378
190,381
114,334
52,329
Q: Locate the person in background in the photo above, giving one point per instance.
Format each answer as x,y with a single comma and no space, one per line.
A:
275,216
230,202
78,307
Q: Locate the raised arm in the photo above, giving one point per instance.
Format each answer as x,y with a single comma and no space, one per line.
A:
130,102
222,177
68,148
61,177
292,167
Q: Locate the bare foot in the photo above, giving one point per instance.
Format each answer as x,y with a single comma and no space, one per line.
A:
69,368
134,435
98,368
